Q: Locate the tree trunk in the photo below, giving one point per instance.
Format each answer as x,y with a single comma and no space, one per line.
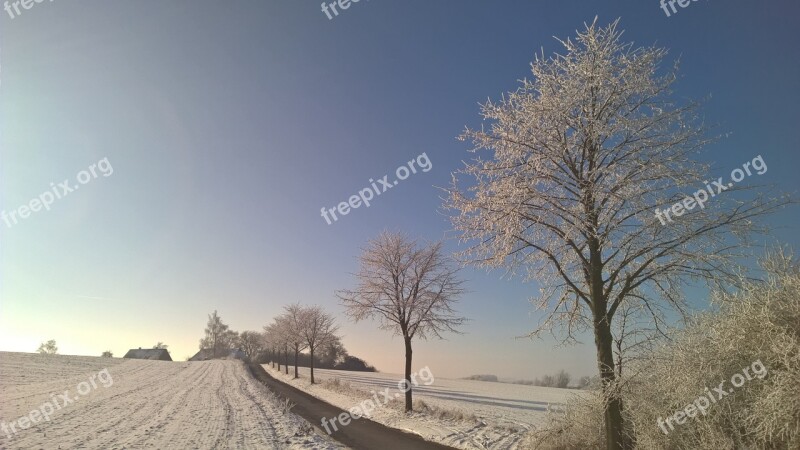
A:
295,361
408,373
615,438
604,342
312,364
286,360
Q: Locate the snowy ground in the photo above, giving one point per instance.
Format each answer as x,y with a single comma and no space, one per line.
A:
142,404
504,413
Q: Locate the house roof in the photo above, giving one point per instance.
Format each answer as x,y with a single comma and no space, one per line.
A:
148,353
207,353
203,355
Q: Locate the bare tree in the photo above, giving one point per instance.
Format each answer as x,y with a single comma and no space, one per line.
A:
279,332
160,345
562,379
107,354
318,329
293,321
273,338
48,348
583,158
230,341
333,353
410,289
251,343
218,336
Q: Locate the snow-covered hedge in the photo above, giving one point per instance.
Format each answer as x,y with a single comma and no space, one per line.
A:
761,323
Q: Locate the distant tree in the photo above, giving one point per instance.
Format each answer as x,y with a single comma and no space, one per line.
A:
279,332
490,378
251,343
48,348
217,336
355,364
562,379
107,354
411,290
584,382
332,353
318,330
160,345
272,338
292,324
230,340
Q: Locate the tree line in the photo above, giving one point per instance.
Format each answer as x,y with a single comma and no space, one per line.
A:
409,287
297,330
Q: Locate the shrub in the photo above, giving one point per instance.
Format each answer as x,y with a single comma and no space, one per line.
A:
421,407
759,323
482,377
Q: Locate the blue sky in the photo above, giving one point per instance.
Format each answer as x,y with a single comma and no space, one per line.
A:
228,127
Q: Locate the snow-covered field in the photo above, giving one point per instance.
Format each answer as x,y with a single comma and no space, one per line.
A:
504,413
114,403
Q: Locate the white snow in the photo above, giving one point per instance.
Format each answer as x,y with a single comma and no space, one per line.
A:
504,412
149,404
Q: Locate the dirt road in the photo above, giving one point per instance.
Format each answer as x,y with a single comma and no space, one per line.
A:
361,434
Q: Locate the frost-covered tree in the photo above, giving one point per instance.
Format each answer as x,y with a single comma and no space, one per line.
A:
562,379
251,343
292,323
218,337
580,158
272,337
333,353
317,329
48,348
410,289
280,335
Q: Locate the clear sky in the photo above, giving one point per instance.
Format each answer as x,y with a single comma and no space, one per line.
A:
228,126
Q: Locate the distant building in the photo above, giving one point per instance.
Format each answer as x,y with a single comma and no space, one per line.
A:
203,355
207,353
157,354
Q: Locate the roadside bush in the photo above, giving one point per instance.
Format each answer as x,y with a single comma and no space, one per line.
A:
759,323
421,407
579,427
343,387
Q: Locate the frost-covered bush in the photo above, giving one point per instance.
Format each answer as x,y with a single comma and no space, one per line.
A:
579,427
759,323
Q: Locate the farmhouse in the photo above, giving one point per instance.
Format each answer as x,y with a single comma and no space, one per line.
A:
203,355
158,354
207,353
